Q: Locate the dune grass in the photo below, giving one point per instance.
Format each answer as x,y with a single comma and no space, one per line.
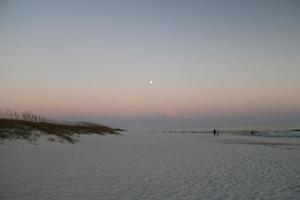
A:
30,126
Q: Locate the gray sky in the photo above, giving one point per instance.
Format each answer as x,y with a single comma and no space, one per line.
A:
212,63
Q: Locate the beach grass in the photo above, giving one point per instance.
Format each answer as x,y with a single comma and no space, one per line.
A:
30,126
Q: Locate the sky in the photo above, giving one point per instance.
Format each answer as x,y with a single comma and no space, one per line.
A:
212,63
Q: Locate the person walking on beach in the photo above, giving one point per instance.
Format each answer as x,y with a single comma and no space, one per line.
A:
214,132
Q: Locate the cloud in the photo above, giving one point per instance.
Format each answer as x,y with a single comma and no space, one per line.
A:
171,115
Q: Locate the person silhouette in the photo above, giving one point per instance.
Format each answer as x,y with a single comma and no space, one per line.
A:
214,132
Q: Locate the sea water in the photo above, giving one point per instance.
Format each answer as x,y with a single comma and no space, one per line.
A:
144,165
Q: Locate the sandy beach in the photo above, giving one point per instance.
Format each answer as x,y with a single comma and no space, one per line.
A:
143,165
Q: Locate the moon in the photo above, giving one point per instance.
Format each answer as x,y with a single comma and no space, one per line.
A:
151,82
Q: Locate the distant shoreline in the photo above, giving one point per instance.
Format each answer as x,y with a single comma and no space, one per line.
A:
64,131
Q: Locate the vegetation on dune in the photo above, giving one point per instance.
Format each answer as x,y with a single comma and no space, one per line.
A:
29,126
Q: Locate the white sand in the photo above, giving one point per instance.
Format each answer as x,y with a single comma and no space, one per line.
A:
152,166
